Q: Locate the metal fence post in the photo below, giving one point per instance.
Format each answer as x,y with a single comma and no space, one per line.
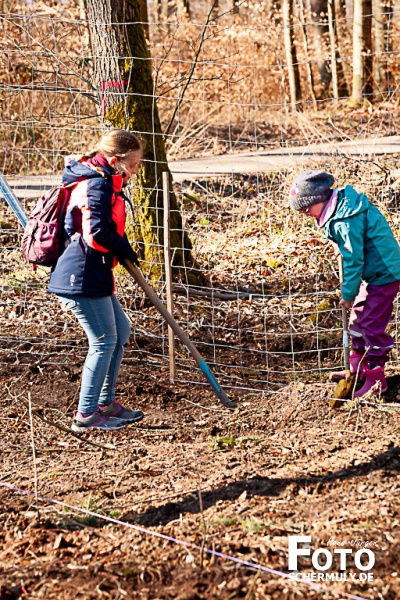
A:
168,271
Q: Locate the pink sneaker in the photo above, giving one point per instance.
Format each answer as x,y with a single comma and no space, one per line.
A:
355,360
374,382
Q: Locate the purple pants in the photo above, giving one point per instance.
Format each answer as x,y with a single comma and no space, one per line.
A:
370,315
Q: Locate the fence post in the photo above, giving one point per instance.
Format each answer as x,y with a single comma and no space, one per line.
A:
168,271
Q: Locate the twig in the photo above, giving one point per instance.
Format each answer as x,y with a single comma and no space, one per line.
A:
205,407
62,428
194,65
251,588
33,455
203,537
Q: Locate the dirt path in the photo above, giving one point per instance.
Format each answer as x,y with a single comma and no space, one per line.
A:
282,158
256,162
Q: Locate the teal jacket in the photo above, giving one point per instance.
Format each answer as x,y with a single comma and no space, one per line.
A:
369,249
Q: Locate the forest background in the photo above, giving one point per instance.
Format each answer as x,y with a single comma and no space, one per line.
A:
255,286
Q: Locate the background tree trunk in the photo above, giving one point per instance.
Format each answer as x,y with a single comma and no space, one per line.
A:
156,10
381,10
310,77
164,9
126,87
339,82
183,9
144,17
291,57
356,94
215,9
331,23
349,12
319,12
367,50
235,8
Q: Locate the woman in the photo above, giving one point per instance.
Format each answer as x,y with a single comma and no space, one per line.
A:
83,276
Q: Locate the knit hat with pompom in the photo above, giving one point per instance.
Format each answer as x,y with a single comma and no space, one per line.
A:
310,187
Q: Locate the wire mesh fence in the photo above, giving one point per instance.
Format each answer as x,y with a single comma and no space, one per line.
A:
263,308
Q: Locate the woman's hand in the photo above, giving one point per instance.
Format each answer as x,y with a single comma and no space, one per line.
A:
345,303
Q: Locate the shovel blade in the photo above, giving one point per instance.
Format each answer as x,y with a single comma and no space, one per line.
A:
342,391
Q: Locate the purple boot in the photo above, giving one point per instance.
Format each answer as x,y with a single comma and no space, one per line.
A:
355,360
374,381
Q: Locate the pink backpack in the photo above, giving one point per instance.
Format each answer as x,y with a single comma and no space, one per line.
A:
42,241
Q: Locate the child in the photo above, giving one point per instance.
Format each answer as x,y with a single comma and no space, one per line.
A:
371,268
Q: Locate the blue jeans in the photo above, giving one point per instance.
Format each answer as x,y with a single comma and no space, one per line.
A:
107,328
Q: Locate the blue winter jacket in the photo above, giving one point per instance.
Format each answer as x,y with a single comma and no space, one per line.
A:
94,225
369,249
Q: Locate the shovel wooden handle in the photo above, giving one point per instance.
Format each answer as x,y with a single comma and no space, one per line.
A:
200,362
344,386
346,344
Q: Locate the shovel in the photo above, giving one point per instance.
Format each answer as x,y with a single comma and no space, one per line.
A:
200,362
344,386
18,210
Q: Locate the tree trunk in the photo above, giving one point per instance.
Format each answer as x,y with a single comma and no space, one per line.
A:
319,11
367,50
381,10
349,12
235,7
215,9
310,76
183,9
356,94
164,9
156,10
126,87
144,17
339,83
331,22
291,58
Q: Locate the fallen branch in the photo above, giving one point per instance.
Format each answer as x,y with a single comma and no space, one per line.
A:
219,295
35,411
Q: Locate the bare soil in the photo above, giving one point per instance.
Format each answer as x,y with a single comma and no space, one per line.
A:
235,482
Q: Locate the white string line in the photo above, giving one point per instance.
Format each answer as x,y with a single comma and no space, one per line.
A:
318,587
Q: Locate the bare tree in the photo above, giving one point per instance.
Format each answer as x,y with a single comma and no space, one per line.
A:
310,76
165,8
362,51
183,8
291,57
381,13
330,67
356,95
215,9
235,7
319,12
367,50
339,82
122,74
331,21
347,8
144,17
